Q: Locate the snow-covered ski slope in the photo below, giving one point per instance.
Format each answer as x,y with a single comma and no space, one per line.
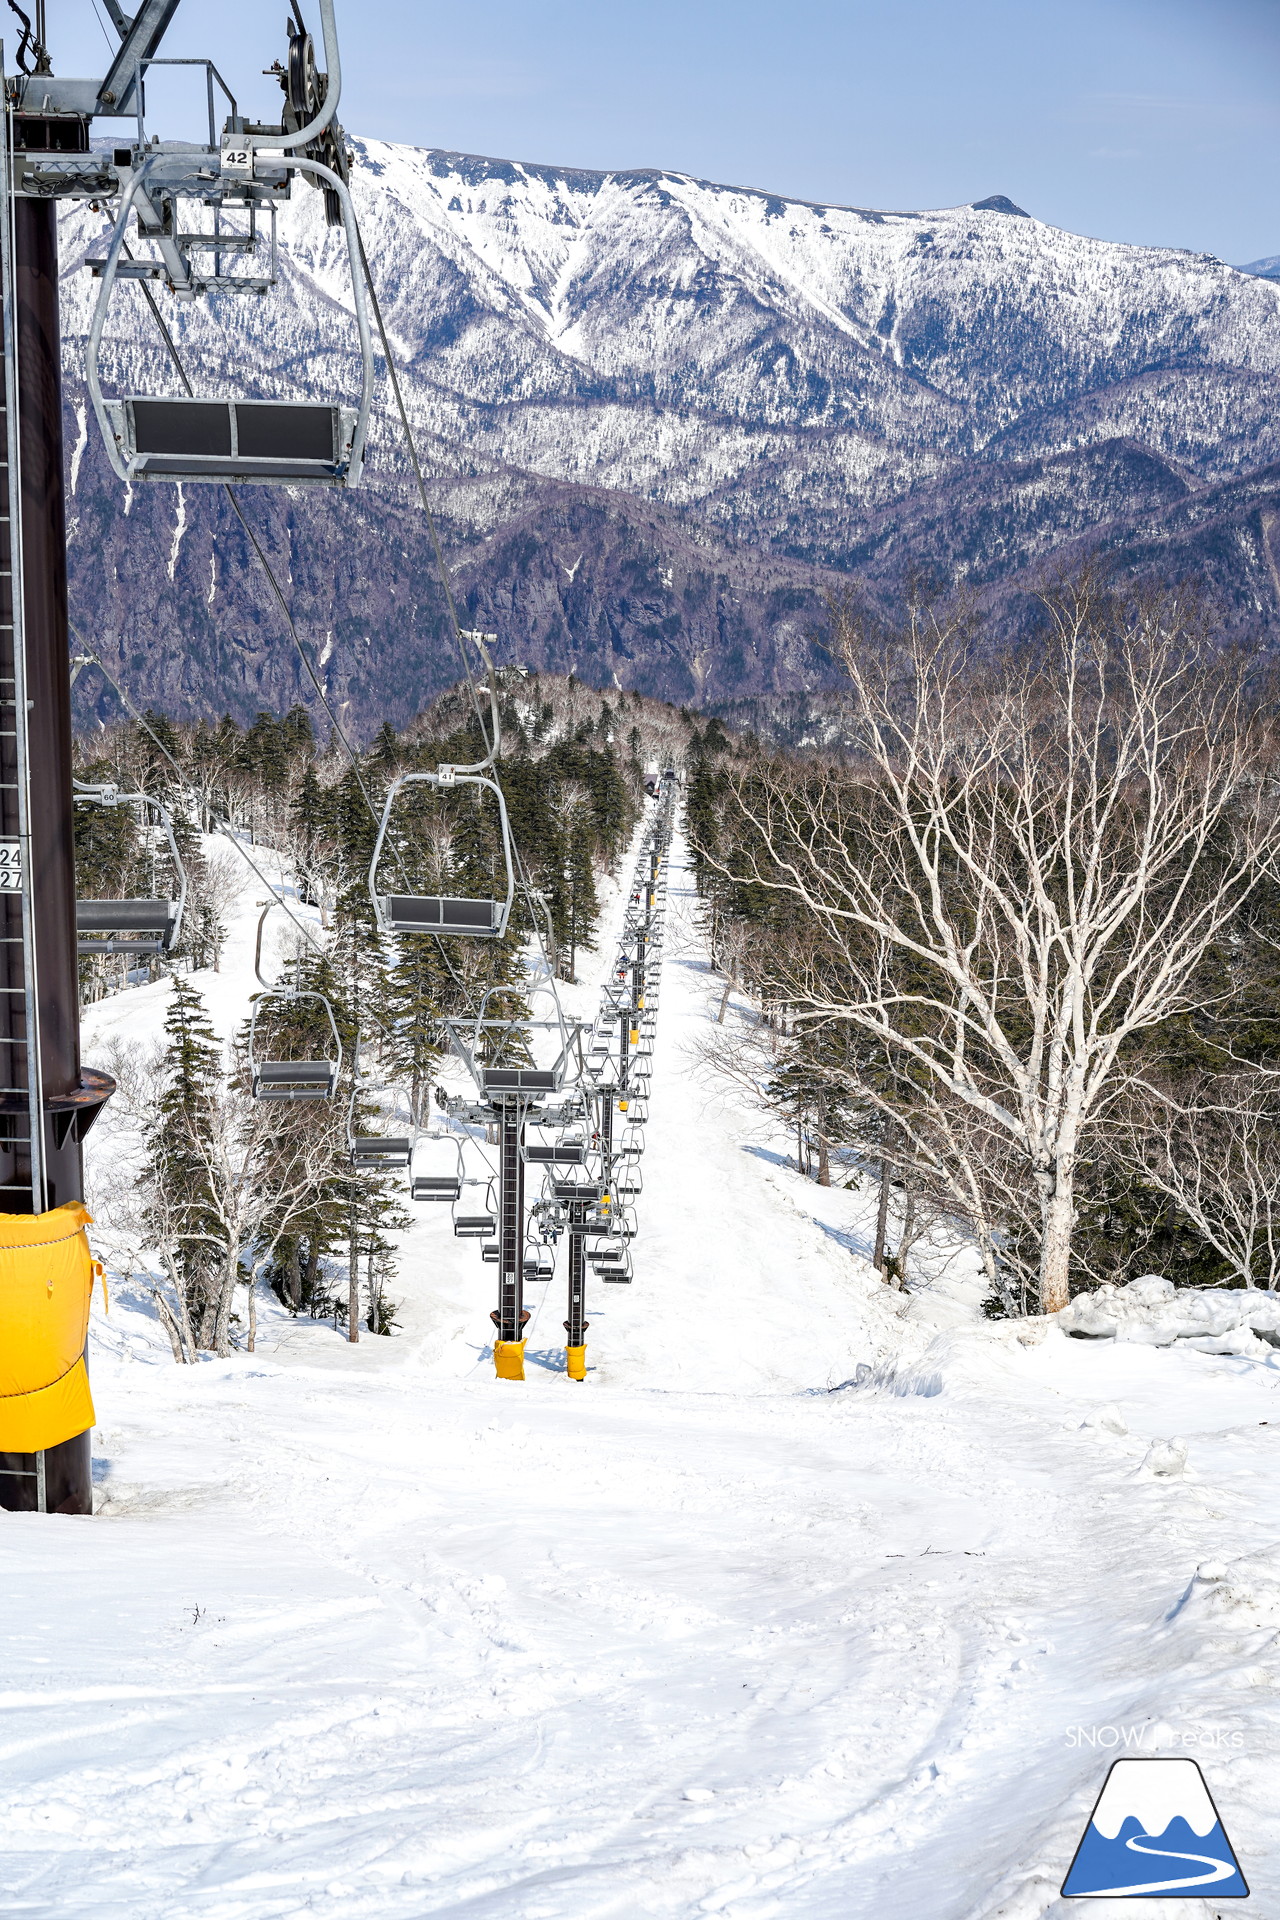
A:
365,1632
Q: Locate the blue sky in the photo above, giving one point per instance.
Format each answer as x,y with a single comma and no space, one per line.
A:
1146,120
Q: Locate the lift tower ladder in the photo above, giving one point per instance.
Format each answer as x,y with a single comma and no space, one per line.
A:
22,1163
47,1101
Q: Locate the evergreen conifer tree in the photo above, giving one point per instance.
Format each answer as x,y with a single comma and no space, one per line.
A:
179,1150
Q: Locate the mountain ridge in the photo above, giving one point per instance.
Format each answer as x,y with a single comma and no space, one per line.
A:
809,397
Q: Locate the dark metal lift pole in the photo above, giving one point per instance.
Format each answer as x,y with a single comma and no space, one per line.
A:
62,1475
576,1325
44,561
510,1317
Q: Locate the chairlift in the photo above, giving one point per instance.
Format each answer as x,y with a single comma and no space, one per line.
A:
187,438
614,1269
136,927
441,913
569,1153
381,1150
444,1188
538,1262
567,1191
428,1187
289,1079
473,1226
369,1150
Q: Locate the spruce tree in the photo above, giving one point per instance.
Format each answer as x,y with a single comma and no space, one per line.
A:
179,1153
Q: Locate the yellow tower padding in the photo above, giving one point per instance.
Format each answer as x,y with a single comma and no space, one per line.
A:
46,1278
576,1362
508,1359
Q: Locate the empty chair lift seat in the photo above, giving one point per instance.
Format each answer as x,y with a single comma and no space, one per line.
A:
436,913
429,1186
520,1080
177,439
381,1151
566,1153
473,1226
46,1276
125,926
294,1079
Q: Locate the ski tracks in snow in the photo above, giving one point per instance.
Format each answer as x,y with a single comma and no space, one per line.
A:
370,1634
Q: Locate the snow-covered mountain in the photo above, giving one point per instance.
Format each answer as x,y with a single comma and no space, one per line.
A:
664,415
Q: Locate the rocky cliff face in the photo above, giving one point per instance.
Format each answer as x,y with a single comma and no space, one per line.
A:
664,419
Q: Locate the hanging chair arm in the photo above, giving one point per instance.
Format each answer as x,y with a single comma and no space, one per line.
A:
343,192
93,343
166,821
257,946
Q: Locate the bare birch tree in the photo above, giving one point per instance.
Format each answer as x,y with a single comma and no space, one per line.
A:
1212,1145
1025,868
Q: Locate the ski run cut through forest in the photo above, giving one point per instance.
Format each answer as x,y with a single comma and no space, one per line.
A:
817,1598
610,1309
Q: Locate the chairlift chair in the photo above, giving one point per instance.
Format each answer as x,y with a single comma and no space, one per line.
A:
441,913
141,927
187,438
290,443
569,1150
611,1266
425,1186
443,1188
381,1150
537,1262
375,1150
289,1079
476,1226
135,927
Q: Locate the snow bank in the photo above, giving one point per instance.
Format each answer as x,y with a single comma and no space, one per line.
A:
1152,1312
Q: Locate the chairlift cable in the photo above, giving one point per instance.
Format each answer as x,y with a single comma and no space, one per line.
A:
442,566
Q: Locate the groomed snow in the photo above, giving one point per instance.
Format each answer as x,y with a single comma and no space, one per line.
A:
363,1631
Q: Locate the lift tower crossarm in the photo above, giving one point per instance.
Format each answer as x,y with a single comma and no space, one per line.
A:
142,36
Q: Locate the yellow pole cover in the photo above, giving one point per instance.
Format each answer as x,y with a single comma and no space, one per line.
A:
46,1278
576,1362
508,1359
